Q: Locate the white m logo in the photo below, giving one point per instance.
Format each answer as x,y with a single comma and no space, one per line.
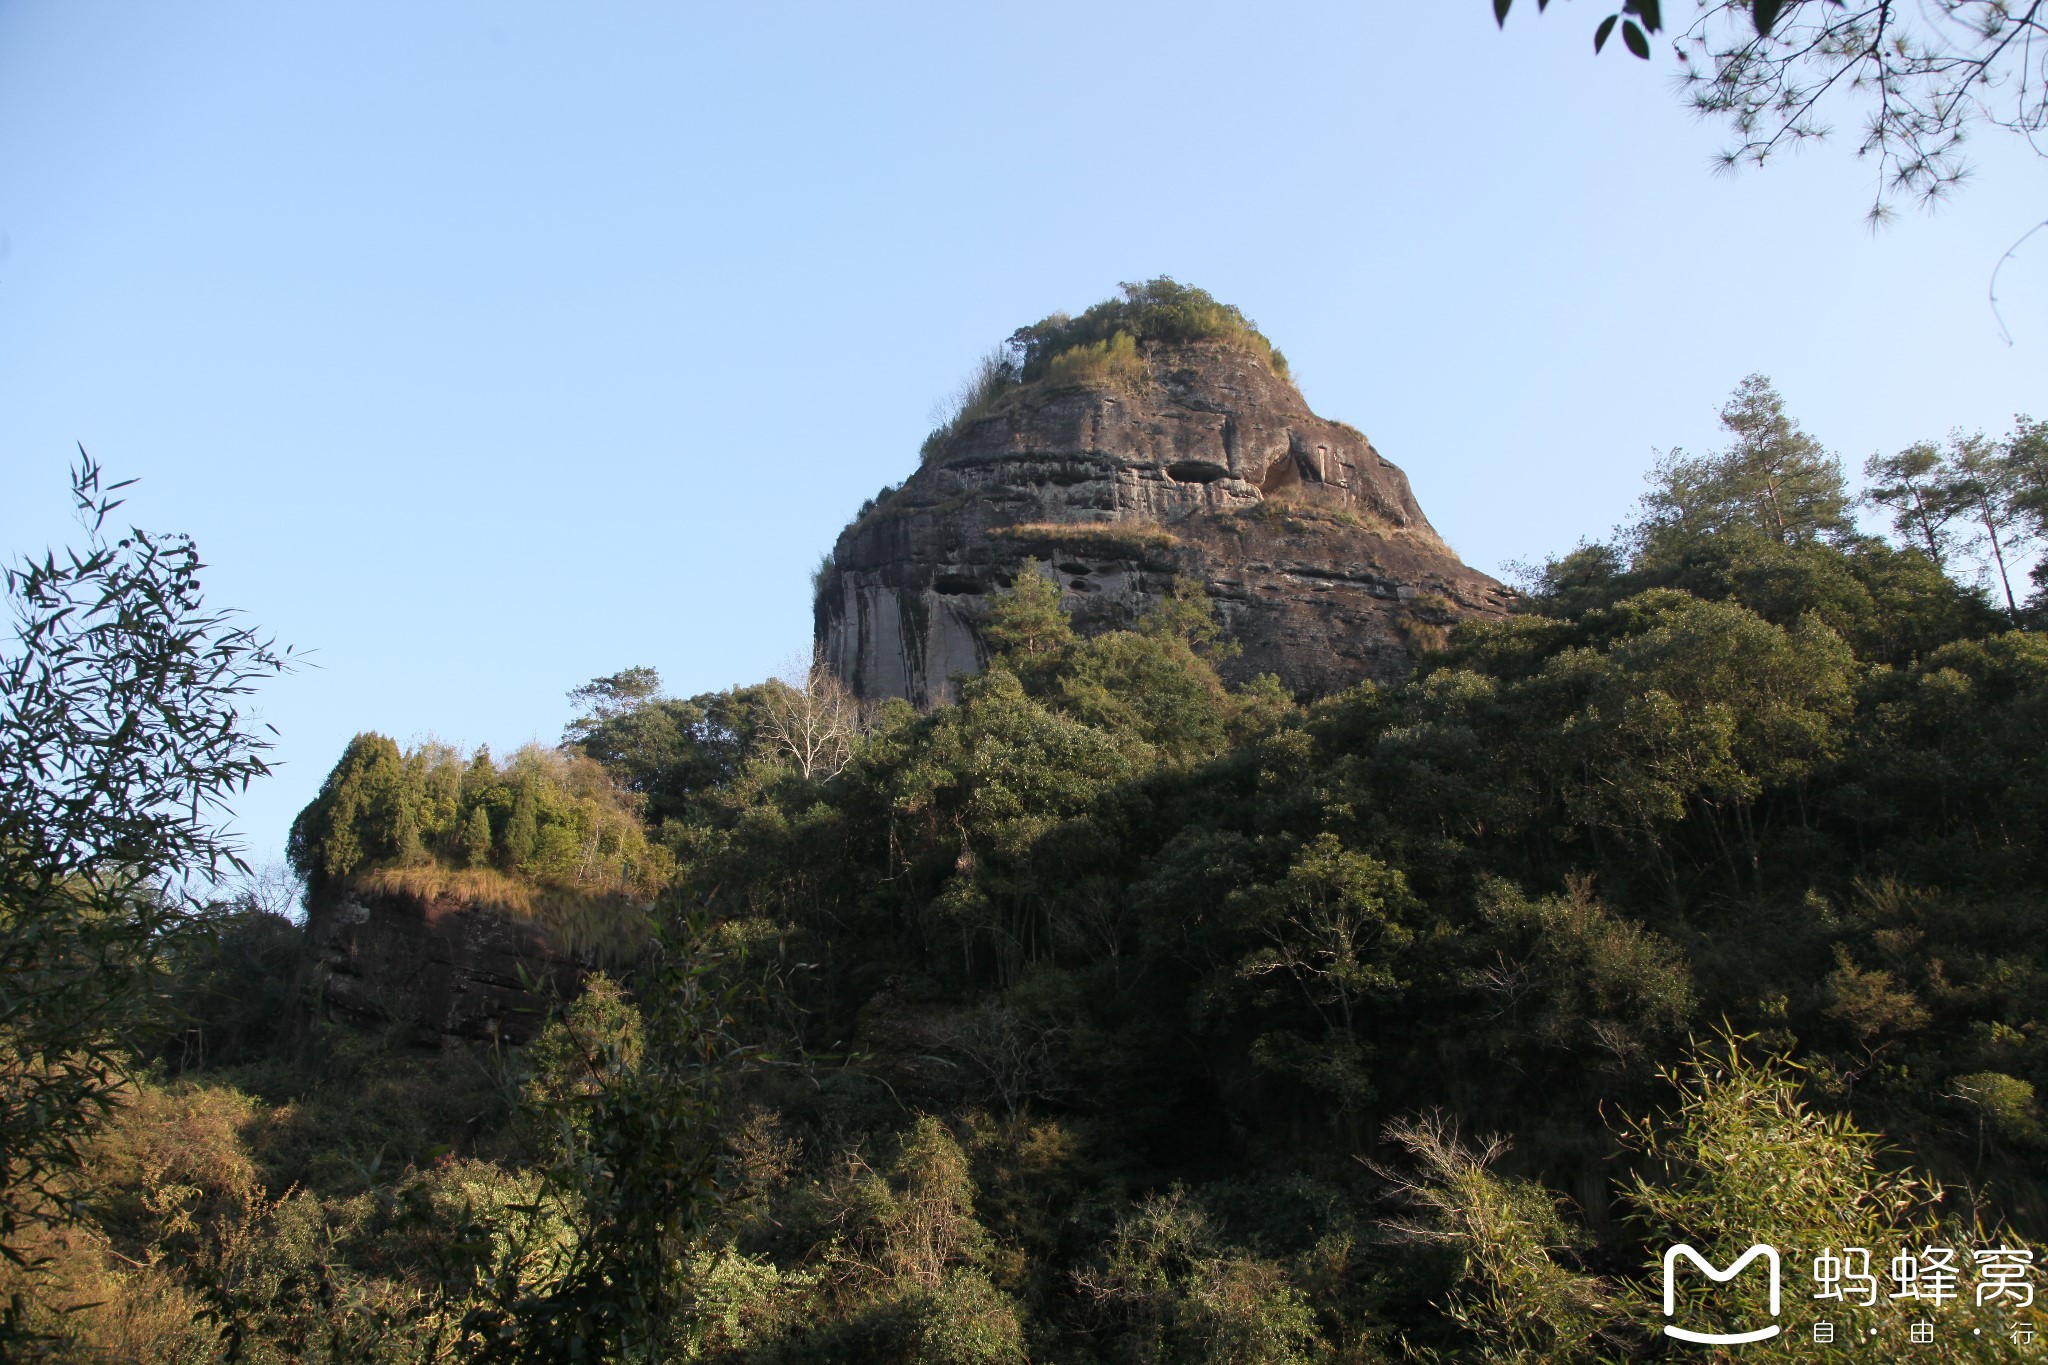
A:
1770,1254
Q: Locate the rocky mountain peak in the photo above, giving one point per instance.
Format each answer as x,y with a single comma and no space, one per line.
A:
1154,437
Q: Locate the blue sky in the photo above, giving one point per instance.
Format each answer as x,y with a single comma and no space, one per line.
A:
488,347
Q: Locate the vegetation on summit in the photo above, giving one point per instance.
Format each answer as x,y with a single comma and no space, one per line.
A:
1100,349
548,837
1160,310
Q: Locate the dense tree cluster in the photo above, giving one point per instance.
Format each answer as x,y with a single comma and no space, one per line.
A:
548,816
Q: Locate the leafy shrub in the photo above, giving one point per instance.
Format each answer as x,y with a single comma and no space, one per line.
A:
1170,1291
172,1157
965,1320
1158,310
741,1302
2002,1105
1592,989
183,1255
872,505
917,1221
598,1041
1517,1285
1738,1159
123,735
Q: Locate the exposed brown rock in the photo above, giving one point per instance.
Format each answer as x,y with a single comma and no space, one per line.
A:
433,967
1318,558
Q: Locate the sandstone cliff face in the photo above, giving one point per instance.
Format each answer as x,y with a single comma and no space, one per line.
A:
433,968
1313,548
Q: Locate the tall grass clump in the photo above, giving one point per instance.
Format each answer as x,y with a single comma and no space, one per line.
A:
1161,310
1104,535
994,375
605,926
1095,364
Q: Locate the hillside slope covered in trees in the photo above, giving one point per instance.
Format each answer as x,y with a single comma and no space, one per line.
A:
1111,1013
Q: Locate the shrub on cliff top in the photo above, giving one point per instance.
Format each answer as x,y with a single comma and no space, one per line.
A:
1099,347
1157,310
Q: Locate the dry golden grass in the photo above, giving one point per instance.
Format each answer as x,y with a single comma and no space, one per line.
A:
1423,637
609,927
975,399
103,1306
480,888
175,1205
1111,363
1094,533
1302,512
170,1164
1427,622
175,1157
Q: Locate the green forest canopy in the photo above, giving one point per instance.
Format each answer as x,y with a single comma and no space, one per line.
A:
1152,1019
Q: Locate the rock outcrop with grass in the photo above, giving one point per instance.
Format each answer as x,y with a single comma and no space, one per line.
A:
1154,437
452,896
